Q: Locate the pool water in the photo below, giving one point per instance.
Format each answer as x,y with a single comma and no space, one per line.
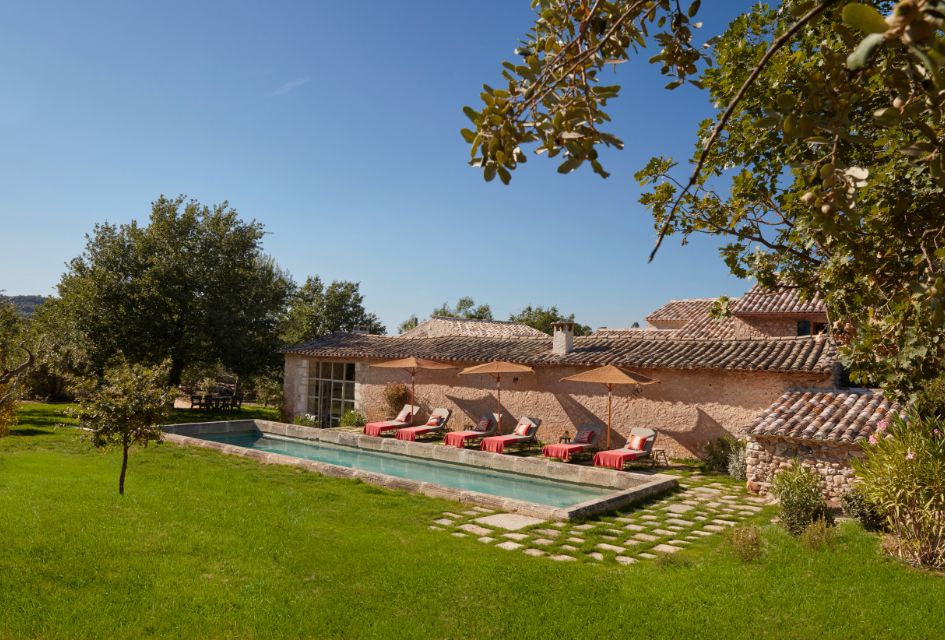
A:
554,493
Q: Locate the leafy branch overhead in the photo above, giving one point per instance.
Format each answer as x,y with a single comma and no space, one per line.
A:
553,94
824,170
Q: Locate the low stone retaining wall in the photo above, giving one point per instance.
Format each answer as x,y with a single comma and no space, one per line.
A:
628,487
767,456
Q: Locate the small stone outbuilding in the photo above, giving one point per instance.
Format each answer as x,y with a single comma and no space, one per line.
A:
821,429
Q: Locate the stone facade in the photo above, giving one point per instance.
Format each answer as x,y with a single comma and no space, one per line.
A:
832,461
687,407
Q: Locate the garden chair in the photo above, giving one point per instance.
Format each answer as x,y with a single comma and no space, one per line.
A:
436,424
522,436
403,419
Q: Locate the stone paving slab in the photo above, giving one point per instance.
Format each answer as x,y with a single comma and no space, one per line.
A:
625,560
666,548
509,546
515,536
679,508
603,546
509,521
475,529
534,552
563,558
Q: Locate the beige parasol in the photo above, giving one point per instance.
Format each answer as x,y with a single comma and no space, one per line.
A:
611,376
496,369
412,366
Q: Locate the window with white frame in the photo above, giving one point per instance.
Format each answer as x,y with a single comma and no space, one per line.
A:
330,391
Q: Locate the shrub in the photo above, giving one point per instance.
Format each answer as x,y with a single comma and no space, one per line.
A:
856,505
802,503
395,397
352,418
738,461
715,453
306,420
746,541
903,474
725,454
818,534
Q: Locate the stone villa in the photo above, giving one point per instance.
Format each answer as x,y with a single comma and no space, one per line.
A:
718,376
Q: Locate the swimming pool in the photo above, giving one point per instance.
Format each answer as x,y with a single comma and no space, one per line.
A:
526,485
554,493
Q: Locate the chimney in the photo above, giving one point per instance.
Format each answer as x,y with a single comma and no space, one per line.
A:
563,339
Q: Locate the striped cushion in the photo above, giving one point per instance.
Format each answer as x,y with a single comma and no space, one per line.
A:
483,425
434,421
636,442
522,429
584,437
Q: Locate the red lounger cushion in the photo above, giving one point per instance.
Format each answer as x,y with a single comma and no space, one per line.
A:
562,451
459,438
377,428
410,433
615,458
496,444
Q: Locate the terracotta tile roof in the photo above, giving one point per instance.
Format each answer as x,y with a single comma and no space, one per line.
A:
841,416
728,328
760,301
438,327
638,332
676,313
793,355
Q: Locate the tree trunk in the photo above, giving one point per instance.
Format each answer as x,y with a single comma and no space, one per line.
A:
124,468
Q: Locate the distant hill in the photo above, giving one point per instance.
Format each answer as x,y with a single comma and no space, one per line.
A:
25,305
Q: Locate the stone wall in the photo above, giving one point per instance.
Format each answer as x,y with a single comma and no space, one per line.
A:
832,461
688,408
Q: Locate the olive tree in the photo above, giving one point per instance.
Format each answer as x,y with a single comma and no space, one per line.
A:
125,408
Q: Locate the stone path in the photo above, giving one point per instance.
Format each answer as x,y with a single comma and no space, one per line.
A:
704,507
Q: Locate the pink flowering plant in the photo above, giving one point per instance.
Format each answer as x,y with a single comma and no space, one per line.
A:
902,473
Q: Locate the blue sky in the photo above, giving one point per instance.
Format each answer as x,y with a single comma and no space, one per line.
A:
336,125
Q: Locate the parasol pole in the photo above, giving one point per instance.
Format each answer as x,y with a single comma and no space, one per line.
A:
610,393
498,402
413,391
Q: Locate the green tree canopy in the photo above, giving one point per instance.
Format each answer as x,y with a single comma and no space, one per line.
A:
316,310
15,361
543,319
193,286
825,169
408,324
465,308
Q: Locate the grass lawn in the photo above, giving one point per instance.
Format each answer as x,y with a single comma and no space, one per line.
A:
209,545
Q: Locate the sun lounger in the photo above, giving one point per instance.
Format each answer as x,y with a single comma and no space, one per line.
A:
584,441
403,419
639,447
523,435
436,424
486,427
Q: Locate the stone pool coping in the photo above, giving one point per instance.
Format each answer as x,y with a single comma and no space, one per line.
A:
628,487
